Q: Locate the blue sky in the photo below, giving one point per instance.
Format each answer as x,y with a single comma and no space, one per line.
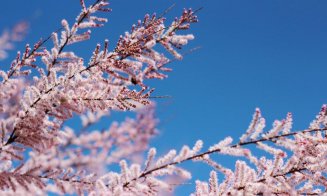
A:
255,53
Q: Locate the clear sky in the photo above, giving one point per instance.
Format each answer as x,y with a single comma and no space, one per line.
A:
255,53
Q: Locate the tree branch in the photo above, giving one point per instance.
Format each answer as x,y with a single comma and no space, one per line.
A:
272,139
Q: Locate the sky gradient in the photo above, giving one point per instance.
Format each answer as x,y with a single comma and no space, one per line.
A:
254,53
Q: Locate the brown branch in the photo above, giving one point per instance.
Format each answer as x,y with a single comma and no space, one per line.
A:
13,137
272,139
37,46
125,98
167,10
291,171
144,174
85,14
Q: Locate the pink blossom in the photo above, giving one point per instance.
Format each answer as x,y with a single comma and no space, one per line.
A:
44,87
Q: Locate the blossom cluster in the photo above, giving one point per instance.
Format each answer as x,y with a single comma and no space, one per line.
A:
294,164
45,87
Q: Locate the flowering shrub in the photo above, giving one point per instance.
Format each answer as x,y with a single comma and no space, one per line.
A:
45,87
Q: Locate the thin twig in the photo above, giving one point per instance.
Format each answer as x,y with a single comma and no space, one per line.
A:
12,136
167,10
125,98
85,14
144,174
